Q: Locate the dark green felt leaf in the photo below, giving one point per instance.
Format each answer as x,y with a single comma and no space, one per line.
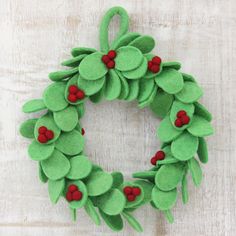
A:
184,189
118,179
172,64
124,86
189,78
55,189
43,178
27,128
145,89
82,50
97,97
149,100
202,150
34,106
91,211
132,221
74,62
196,171
80,110
144,43
168,215
133,90
113,86
61,75
200,110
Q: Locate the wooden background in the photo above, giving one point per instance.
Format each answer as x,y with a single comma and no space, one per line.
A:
37,35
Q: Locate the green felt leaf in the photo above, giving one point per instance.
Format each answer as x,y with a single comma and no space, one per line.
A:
196,171
82,50
56,166
164,200
34,106
61,75
170,80
47,121
113,86
74,62
169,159
53,96
184,147
124,86
70,143
149,100
132,221
200,127
149,74
97,97
39,152
168,215
147,190
98,183
118,179
73,214
191,92
133,90
91,211
150,175
169,176
43,178
55,189
27,128
128,58
81,110
161,104
184,189
188,77
145,89
166,132
92,67
91,87
171,65
202,150
113,222
81,167
144,43
200,110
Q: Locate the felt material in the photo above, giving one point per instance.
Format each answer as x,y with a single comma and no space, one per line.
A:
149,175
184,189
166,132
202,150
61,75
150,74
128,58
81,167
169,176
98,183
113,86
75,52
27,128
168,160
184,147
43,178
92,67
149,100
91,211
200,127
56,166
96,168
145,89
190,93
112,202
161,103
96,98
34,106
124,86
132,221
147,190
91,87
168,215
171,65
118,179
55,189
170,80
196,171
70,143
81,110
133,90
144,43
74,62
164,200
200,110
189,78
73,214
39,152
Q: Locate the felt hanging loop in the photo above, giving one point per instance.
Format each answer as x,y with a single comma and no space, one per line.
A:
124,24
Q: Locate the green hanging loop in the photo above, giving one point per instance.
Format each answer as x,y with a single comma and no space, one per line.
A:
124,24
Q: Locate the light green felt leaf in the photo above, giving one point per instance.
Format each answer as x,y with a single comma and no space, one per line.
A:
172,64
200,110
98,183
128,58
149,100
118,179
43,178
92,67
27,128
113,86
61,75
39,152
169,176
164,200
74,62
70,143
202,150
124,86
34,106
184,189
149,74
56,166
132,221
147,190
91,211
82,50
200,127
145,89
91,87
170,80
55,189
133,90
185,146
196,171
168,215
81,167
144,43
73,214
150,175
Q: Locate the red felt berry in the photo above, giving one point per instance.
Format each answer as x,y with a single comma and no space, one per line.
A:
42,130
160,155
136,191
82,131
178,122
185,120
156,60
111,54
42,138
80,94
153,160
77,195
105,59
72,188
72,97
131,197
110,64
181,113
155,68
69,196
150,64
49,134
127,190
73,89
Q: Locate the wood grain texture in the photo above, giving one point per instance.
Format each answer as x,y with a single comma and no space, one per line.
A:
37,35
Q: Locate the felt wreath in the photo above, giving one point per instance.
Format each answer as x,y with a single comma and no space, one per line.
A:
125,70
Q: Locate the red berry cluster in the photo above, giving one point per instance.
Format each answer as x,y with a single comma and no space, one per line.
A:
108,59
160,155
131,193
154,64
181,118
44,134
73,193
75,93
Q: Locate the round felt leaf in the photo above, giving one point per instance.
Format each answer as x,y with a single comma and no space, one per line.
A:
144,43
196,171
91,211
132,221
191,92
202,150
82,50
56,166
170,80
200,127
74,62
98,183
39,152
133,90
66,119
172,64
61,75
81,167
55,189
124,86
128,58
149,100
113,86
169,176
118,179
145,89
200,110
33,106
27,128
164,200
92,67
54,98
70,143
184,147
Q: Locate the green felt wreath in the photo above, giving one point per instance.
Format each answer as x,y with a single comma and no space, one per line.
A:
126,70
